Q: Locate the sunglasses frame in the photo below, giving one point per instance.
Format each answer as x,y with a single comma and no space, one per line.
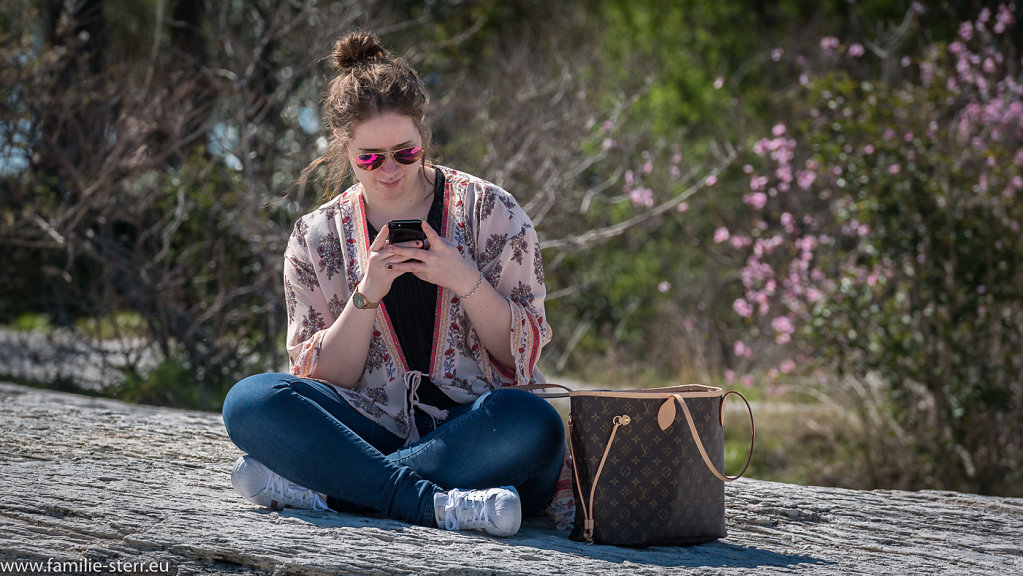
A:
377,159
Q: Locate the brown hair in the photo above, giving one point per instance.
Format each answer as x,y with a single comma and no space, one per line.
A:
369,81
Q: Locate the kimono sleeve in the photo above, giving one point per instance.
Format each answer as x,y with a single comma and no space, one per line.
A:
307,307
509,257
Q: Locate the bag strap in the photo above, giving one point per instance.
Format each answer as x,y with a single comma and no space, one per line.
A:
721,418
534,387
623,420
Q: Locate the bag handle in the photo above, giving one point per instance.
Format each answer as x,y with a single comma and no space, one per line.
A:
623,420
667,414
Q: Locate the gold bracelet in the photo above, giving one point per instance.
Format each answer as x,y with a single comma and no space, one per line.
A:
473,291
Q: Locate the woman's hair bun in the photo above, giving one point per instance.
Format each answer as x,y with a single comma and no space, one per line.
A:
357,48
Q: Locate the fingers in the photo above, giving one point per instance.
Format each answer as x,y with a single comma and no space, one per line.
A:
380,241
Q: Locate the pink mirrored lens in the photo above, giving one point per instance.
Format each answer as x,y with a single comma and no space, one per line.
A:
408,155
369,161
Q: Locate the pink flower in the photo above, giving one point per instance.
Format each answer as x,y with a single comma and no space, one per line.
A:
758,183
868,149
642,197
729,376
776,54
783,325
648,167
742,308
778,130
1005,19
756,201
787,366
721,235
740,242
966,31
906,61
829,44
683,207
784,174
608,144
711,180
719,82
664,287
917,8
856,50
741,350
805,179
608,125
894,169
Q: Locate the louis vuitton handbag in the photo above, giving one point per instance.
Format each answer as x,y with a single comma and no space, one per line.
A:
648,465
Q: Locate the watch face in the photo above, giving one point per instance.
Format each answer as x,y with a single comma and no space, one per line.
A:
359,300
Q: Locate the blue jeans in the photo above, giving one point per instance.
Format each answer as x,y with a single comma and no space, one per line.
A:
306,432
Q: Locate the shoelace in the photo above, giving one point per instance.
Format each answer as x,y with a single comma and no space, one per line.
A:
463,510
282,490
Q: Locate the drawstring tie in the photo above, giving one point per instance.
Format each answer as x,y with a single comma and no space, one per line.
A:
413,379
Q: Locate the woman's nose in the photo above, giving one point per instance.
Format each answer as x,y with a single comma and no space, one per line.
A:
390,164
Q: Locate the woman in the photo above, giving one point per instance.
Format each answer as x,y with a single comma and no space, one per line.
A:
403,354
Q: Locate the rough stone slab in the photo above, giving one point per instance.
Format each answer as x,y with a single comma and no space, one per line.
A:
104,481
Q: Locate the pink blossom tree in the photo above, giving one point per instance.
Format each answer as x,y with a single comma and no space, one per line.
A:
881,240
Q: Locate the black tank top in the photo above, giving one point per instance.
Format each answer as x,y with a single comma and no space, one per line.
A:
412,307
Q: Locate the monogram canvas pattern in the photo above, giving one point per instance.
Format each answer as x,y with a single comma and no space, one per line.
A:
654,488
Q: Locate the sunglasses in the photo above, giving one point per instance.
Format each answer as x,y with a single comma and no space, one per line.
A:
373,160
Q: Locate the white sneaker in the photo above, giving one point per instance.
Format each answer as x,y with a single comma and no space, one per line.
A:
263,487
497,511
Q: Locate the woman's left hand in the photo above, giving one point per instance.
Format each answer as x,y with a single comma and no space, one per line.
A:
440,264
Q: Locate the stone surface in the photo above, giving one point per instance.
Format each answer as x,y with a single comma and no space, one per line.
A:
88,483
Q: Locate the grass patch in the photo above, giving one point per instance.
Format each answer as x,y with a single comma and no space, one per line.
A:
120,324
32,322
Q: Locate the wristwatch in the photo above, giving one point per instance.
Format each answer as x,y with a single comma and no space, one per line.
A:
360,301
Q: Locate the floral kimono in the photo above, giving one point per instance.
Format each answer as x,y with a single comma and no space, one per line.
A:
326,259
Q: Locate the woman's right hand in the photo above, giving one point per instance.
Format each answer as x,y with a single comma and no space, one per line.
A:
376,283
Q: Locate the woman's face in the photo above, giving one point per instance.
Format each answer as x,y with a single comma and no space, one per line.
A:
393,182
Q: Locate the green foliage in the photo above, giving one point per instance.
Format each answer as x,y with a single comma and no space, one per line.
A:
171,383
120,324
32,322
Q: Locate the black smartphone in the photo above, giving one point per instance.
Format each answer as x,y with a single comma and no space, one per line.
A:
405,231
